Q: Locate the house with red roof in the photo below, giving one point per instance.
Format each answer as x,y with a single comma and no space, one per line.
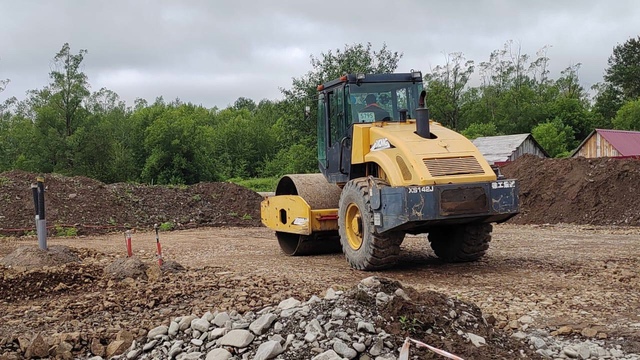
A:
609,143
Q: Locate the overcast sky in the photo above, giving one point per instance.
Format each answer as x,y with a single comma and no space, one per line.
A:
212,52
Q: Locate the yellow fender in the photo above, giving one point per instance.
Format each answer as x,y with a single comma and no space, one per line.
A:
292,214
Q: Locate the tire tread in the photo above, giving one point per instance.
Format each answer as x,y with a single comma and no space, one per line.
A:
378,251
461,243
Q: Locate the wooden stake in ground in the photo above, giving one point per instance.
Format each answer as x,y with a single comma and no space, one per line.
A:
158,246
127,239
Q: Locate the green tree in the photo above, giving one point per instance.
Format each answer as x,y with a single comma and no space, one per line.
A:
446,85
513,91
103,146
608,101
356,58
142,117
624,69
245,103
69,87
19,145
628,117
57,112
477,130
179,144
554,136
620,82
241,144
292,160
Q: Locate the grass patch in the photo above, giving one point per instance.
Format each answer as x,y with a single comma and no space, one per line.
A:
166,226
65,231
410,325
258,184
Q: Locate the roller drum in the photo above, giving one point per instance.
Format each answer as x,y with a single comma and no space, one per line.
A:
319,194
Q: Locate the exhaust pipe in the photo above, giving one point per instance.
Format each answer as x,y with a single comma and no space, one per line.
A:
422,118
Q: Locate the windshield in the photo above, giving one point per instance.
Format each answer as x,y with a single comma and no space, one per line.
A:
382,101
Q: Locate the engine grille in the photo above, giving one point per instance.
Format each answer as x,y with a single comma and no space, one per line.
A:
453,166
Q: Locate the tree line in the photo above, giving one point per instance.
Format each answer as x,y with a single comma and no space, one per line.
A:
516,94
66,128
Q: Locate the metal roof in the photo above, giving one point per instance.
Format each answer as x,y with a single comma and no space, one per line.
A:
499,148
626,142
374,78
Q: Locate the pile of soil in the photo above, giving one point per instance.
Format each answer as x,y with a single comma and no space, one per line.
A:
32,257
82,304
89,206
601,191
31,273
443,322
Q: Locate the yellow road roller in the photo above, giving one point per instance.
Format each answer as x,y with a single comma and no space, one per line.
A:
387,170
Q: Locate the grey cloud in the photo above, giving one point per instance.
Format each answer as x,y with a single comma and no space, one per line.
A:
212,52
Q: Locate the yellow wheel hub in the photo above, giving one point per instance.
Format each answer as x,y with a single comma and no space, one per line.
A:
353,225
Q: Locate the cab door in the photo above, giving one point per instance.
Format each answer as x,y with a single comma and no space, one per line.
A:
338,144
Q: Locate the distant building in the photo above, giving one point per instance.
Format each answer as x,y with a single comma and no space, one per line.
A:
609,143
505,148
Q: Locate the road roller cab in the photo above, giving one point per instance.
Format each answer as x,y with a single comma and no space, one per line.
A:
387,170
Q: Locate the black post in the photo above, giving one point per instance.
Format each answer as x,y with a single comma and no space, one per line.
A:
34,189
41,223
41,198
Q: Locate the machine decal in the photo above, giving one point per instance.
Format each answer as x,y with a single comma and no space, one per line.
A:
381,144
503,184
377,219
420,189
300,221
366,117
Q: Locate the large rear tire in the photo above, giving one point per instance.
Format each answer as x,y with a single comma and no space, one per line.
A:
362,246
461,243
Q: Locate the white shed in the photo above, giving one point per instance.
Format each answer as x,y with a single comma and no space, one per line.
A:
504,148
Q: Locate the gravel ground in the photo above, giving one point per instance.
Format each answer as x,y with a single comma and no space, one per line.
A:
578,281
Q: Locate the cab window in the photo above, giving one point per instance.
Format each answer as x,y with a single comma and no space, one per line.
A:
322,131
336,115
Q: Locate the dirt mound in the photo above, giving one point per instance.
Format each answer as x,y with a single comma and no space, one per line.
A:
17,286
79,304
171,266
79,205
602,191
123,268
438,320
30,257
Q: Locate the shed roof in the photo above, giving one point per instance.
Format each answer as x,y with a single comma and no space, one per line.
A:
500,148
626,142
